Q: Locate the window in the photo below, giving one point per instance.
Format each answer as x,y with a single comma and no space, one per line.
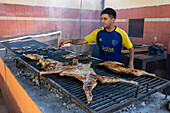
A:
136,28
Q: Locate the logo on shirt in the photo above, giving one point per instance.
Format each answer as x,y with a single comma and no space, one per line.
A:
114,42
108,49
100,39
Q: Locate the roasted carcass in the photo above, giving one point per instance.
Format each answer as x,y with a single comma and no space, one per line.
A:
49,64
86,74
115,67
34,56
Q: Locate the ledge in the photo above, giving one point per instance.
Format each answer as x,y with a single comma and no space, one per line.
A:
23,100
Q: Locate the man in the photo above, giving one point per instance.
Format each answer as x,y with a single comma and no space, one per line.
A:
109,38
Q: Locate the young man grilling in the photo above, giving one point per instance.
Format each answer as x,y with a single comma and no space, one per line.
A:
109,38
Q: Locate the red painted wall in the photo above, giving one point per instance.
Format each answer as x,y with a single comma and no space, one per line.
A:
70,29
160,29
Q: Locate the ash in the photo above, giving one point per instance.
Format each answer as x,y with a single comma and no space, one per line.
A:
155,103
50,100
47,98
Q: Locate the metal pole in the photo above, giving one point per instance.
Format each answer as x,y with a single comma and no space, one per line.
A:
80,16
102,7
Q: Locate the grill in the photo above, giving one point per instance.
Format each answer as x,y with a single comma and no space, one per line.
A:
106,97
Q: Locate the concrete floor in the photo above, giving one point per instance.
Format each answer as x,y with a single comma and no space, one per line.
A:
3,108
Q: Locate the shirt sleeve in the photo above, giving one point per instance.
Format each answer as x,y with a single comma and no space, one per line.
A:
125,39
93,36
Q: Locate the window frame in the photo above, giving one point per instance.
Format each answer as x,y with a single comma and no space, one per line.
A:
136,28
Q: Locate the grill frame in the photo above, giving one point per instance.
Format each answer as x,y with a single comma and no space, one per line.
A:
74,96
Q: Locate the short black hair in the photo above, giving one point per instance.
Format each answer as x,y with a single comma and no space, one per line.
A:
111,12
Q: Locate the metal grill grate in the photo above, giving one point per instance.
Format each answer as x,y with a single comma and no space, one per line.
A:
106,97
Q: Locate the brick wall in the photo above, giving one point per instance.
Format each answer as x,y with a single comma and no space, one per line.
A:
19,20
156,22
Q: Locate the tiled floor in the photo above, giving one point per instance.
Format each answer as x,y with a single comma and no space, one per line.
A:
3,108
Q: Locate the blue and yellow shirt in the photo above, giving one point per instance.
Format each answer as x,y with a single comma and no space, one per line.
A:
109,43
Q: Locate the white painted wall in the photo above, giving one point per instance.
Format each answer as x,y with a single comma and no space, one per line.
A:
124,4
89,4
86,4
52,3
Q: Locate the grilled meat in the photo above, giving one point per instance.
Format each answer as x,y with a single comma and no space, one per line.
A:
137,72
75,61
83,57
76,55
85,74
42,48
114,67
70,56
14,48
26,47
30,50
49,64
53,48
34,56
20,51
108,80
82,72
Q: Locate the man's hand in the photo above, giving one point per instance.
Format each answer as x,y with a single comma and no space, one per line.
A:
72,41
62,42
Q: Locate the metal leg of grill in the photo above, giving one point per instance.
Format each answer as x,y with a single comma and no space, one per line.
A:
6,51
39,82
16,63
137,88
167,92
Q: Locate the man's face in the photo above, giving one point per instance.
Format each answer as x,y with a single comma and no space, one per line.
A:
107,21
